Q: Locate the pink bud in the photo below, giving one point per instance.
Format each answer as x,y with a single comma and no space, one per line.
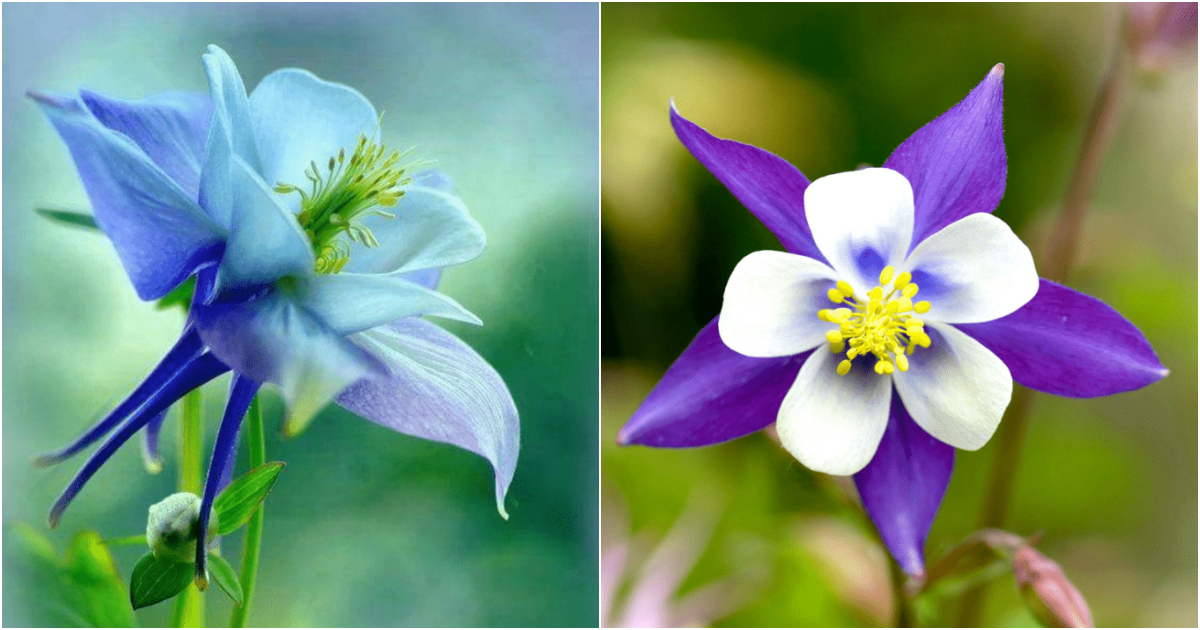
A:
1047,591
1157,32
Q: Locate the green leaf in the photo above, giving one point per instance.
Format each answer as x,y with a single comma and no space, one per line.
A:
94,576
68,217
82,589
180,296
225,577
155,580
239,501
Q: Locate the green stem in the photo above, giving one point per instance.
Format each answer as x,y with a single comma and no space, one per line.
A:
189,605
1055,263
250,551
904,612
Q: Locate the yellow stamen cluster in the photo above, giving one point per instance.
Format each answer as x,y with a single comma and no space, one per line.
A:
883,325
343,193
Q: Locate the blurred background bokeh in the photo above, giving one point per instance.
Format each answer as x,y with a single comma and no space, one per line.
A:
365,527
742,535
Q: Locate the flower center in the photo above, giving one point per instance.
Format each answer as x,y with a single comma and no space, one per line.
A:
883,325
332,207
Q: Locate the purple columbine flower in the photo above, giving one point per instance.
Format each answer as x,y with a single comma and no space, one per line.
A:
315,252
891,330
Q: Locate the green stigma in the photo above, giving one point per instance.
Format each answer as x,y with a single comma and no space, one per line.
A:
344,193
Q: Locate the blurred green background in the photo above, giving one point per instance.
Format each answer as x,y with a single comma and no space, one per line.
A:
759,540
365,527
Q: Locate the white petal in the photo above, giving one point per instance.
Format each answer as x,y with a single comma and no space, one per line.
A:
834,423
973,270
771,305
862,221
955,389
438,389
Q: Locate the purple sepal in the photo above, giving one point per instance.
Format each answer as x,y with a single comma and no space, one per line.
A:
711,394
160,234
171,128
1066,343
766,184
956,163
903,486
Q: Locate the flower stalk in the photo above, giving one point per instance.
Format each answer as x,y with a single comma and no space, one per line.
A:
254,529
1054,264
189,606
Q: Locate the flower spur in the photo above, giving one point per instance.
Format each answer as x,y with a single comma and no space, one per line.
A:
319,293
826,341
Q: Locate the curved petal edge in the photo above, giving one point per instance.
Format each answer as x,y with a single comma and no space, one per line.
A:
1066,343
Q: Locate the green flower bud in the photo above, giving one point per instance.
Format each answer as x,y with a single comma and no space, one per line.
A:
173,526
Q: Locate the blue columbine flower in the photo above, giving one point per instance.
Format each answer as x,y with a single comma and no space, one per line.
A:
890,331
314,249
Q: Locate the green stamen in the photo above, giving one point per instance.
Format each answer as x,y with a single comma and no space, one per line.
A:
341,195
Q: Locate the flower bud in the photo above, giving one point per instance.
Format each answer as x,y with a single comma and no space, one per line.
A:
173,526
1159,33
1047,591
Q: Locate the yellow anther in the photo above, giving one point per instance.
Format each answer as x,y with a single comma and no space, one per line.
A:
845,288
843,368
882,324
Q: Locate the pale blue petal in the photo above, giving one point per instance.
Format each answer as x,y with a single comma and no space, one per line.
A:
265,241
300,119
230,103
215,193
350,303
439,389
170,127
432,228
271,339
161,235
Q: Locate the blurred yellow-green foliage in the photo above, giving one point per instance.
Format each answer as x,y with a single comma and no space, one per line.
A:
1112,482
365,527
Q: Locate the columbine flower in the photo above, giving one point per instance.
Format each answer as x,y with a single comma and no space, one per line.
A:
314,251
891,330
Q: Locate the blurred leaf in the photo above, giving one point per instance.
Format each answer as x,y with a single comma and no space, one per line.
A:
225,577
238,502
92,572
68,217
180,296
83,589
154,580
